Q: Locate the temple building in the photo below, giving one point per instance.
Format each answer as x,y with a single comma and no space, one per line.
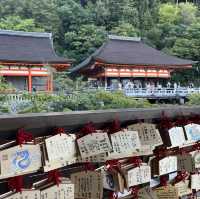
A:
129,59
27,60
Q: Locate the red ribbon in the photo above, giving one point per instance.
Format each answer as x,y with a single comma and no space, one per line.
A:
114,127
160,152
134,191
113,195
23,137
163,180
113,165
59,131
165,122
136,161
196,147
182,121
16,183
89,128
54,176
86,130
195,119
182,176
89,166
182,151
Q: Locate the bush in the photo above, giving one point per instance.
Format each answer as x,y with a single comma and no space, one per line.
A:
119,100
4,108
194,99
42,102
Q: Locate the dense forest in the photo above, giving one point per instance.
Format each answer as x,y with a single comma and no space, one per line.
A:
81,26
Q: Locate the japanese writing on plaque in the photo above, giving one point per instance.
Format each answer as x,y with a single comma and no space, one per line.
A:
88,185
195,181
147,193
185,162
148,134
63,191
125,142
25,194
183,188
61,147
167,165
138,175
102,157
167,192
94,144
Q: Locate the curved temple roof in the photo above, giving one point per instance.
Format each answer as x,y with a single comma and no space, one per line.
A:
28,47
131,51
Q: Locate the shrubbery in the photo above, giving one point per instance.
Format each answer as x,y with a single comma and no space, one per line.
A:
194,99
119,100
43,102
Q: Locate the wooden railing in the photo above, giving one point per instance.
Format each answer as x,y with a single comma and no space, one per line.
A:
41,123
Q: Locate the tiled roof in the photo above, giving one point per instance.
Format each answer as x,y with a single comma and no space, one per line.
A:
31,47
131,51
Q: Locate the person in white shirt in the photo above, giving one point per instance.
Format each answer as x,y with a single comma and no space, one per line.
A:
175,86
168,85
119,85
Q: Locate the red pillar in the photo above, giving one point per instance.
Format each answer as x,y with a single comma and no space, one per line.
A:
29,80
47,85
51,82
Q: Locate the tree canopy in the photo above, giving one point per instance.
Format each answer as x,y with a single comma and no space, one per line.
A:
79,27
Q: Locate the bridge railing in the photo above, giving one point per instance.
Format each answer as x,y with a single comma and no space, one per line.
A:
131,92
163,92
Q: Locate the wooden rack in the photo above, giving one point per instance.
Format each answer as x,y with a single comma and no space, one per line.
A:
42,123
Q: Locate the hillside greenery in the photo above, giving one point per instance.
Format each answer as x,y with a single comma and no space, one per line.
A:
81,26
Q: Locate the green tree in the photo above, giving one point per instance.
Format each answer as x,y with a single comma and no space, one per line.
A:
125,29
16,23
15,8
63,82
169,13
173,21
43,12
188,13
99,13
84,42
147,14
189,47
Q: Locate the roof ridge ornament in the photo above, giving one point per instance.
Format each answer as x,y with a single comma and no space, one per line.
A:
28,34
124,38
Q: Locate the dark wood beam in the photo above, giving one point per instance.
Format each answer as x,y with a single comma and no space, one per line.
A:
43,123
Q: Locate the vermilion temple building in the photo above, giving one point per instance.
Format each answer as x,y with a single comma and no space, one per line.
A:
127,58
26,59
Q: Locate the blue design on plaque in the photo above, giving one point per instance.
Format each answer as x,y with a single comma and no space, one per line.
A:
110,181
21,159
194,132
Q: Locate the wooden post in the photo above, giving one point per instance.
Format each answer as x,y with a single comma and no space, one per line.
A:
47,84
29,80
51,82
